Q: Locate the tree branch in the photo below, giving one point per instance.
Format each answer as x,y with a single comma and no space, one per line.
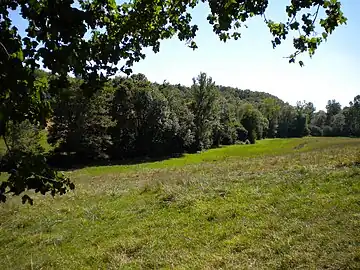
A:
6,143
2,45
316,13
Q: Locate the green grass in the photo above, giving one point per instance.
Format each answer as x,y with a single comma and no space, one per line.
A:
262,148
279,204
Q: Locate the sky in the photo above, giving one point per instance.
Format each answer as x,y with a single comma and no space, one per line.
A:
252,63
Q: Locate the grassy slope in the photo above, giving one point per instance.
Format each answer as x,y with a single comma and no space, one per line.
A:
278,204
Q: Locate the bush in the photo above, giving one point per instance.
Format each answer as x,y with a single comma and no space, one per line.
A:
247,142
23,140
328,131
252,136
242,133
224,135
316,131
24,137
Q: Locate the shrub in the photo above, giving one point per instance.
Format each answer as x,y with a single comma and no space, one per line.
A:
24,137
242,133
327,131
316,131
23,140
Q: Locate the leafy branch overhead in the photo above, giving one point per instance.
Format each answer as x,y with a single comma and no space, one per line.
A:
228,16
95,39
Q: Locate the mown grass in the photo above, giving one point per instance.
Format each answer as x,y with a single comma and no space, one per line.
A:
280,204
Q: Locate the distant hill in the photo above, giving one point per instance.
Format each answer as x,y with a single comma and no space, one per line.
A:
254,97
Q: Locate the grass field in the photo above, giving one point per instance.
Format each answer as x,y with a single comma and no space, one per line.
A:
279,204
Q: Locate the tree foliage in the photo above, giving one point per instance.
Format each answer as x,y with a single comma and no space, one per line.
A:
80,123
252,122
332,108
352,117
204,107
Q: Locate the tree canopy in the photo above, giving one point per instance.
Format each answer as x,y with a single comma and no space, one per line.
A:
94,39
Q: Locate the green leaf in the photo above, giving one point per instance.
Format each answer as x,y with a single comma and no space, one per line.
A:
128,71
193,45
294,26
229,3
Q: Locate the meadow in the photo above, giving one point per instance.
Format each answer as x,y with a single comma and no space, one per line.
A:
278,204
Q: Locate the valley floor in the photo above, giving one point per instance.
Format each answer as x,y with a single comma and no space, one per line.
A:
279,204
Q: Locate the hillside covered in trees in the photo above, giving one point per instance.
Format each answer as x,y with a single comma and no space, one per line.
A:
132,118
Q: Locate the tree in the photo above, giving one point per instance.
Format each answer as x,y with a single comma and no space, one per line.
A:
327,131
241,132
270,108
225,132
24,137
145,124
183,118
298,126
306,108
332,108
153,126
287,114
252,121
319,119
315,131
352,117
204,107
81,124
338,124
92,38
262,128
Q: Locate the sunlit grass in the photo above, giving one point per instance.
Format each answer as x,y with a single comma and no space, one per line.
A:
279,204
266,147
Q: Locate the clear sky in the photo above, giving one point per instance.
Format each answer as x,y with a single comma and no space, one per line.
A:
252,63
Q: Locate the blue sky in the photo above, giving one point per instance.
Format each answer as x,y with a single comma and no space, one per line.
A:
252,63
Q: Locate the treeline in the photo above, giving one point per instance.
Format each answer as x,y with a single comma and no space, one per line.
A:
337,121
134,118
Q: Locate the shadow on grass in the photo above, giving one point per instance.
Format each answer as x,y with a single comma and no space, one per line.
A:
71,162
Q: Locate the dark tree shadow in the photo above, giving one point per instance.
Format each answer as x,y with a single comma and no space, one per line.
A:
69,162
